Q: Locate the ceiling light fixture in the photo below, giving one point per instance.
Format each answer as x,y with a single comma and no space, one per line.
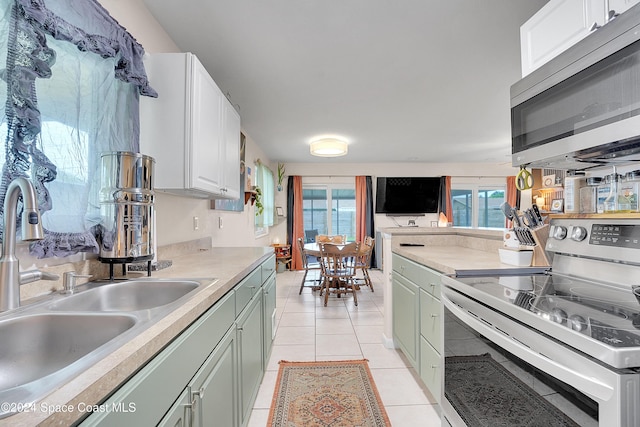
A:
328,147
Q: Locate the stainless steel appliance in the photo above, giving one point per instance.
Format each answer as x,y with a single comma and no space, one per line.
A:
575,328
582,109
126,209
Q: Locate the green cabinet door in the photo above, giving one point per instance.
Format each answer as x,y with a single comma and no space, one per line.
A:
269,311
405,302
213,389
250,349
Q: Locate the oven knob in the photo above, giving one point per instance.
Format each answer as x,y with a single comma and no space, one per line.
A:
578,234
577,322
559,232
558,315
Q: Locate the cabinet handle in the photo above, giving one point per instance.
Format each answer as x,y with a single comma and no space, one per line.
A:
434,315
434,366
199,394
594,26
612,15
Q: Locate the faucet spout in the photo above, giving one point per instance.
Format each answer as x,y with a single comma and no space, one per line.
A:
31,230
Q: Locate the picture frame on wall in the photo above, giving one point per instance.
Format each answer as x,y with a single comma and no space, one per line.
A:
557,205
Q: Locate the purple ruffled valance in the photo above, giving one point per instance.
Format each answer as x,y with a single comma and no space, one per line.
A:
86,25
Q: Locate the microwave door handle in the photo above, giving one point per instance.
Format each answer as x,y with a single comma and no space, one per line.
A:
512,345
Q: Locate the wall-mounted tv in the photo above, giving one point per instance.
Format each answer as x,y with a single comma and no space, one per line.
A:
407,195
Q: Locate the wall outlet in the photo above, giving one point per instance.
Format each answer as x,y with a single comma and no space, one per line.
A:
196,223
219,222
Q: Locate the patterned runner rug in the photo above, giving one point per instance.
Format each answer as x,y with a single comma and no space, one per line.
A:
319,394
484,393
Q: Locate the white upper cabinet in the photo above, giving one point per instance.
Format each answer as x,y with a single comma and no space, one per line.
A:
191,129
562,23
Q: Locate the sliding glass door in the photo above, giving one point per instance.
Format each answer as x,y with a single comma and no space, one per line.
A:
340,218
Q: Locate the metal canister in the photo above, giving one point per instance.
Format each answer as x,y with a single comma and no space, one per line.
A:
126,207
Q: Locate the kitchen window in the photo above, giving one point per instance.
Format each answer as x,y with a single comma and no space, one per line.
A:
339,219
477,205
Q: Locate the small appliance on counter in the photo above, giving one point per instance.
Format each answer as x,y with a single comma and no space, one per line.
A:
126,209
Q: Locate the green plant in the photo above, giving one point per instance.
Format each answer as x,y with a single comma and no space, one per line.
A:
258,199
280,175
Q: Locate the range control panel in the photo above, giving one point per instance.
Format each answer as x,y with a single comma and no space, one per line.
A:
619,235
615,239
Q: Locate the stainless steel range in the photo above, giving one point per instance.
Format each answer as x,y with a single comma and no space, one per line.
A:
578,324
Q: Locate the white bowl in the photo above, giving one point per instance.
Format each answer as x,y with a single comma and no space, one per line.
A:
515,257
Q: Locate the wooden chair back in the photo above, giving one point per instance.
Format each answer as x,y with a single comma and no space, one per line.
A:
339,262
325,238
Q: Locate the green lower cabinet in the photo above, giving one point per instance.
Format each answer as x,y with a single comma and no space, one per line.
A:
405,302
269,312
250,359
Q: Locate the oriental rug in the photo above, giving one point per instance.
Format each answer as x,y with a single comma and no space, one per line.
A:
322,394
485,393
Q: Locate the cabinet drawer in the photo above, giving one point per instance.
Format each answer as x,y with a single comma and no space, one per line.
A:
247,288
430,319
268,267
431,368
427,279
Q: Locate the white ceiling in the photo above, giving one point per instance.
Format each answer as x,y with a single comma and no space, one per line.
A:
401,80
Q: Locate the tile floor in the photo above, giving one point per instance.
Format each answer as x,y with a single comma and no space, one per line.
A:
308,331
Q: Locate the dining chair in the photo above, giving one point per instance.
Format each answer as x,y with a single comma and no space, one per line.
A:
338,264
325,238
307,266
363,262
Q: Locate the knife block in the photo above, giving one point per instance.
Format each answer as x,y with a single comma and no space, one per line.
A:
540,236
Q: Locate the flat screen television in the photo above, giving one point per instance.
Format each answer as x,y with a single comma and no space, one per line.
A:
407,195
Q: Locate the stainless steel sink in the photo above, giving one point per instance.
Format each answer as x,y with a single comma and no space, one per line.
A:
132,295
45,344
35,346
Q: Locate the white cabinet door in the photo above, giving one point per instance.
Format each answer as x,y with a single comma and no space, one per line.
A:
206,138
231,151
557,26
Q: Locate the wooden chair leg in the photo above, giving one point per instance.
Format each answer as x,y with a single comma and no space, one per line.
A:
327,291
353,291
304,279
368,278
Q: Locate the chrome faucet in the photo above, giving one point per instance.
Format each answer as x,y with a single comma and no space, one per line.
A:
10,276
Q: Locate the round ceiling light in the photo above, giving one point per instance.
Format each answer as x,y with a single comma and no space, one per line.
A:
328,147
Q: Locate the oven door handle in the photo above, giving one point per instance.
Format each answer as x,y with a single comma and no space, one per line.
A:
581,381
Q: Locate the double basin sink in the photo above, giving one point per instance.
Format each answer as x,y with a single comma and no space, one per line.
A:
47,343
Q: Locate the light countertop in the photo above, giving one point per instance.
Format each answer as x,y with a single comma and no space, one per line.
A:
227,265
450,259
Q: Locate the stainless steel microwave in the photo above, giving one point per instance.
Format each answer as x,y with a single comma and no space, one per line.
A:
582,108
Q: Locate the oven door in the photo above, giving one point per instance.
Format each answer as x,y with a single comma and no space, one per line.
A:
579,387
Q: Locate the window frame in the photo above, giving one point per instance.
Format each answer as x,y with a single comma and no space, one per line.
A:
477,186
328,188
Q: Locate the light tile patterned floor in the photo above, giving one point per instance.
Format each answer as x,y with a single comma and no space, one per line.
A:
308,331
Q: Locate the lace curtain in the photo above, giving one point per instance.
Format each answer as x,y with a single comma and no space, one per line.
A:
73,76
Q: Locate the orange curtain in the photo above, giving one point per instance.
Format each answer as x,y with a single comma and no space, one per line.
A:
512,196
448,206
361,208
298,226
